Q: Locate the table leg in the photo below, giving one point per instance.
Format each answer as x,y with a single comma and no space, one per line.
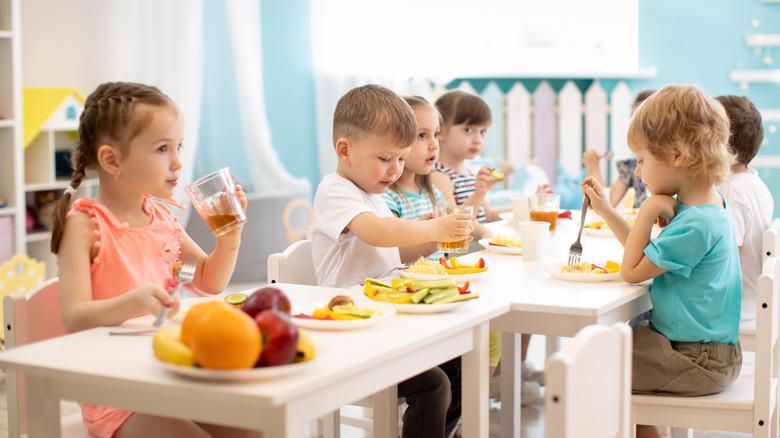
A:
510,384
43,411
475,400
385,404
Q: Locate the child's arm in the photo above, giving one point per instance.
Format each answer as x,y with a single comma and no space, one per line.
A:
636,266
393,231
601,205
79,311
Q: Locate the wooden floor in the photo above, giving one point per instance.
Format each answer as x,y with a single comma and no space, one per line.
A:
532,415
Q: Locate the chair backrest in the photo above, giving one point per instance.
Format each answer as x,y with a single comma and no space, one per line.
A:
767,344
294,265
771,243
29,318
295,234
595,366
20,274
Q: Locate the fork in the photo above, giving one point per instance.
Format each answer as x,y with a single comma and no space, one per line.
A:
405,265
185,275
575,252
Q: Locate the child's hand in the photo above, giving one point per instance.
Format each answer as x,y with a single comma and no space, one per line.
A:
241,195
590,159
483,181
456,226
544,189
598,198
426,216
662,208
154,298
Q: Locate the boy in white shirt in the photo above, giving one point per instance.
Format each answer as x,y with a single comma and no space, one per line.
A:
355,235
751,202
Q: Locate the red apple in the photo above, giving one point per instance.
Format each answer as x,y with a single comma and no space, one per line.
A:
280,338
267,297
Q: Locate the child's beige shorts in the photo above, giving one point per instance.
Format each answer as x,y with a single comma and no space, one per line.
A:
661,366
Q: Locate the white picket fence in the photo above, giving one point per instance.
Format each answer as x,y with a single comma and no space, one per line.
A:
539,127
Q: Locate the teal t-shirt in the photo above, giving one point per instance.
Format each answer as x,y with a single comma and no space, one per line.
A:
411,205
699,298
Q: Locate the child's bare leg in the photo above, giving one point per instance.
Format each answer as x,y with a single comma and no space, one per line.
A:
231,432
643,431
152,425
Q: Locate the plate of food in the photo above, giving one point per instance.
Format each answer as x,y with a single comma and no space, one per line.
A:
598,228
503,244
412,295
453,268
584,271
250,375
341,313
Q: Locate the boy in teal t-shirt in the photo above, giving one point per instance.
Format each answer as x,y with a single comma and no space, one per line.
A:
690,347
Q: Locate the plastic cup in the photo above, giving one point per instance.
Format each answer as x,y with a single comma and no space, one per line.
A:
520,209
545,208
215,200
454,246
535,236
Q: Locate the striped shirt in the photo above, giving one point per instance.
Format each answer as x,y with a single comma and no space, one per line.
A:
464,187
411,205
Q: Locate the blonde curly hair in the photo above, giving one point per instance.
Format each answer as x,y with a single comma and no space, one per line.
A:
682,118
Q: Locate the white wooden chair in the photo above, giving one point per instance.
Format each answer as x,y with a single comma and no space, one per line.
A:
750,404
295,265
29,318
770,247
292,233
595,365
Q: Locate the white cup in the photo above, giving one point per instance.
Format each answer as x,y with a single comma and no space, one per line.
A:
520,209
535,236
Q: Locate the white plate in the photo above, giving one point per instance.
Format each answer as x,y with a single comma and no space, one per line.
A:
251,375
597,232
506,217
427,308
346,324
552,269
514,250
458,278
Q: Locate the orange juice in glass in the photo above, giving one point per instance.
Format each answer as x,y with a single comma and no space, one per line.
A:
545,208
454,246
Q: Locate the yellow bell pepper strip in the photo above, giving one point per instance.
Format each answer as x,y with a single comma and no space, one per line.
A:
456,264
463,271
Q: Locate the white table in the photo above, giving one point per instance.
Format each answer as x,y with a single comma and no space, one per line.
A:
96,368
540,304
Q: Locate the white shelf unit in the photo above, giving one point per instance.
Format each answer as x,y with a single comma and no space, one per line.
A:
12,215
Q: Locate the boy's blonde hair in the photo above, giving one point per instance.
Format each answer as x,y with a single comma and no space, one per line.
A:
373,109
682,118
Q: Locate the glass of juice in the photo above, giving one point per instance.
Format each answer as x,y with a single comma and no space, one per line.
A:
454,246
545,208
214,198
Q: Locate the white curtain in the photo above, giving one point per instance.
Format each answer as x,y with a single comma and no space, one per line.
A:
160,43
266,170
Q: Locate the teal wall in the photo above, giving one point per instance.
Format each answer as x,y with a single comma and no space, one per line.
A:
688,41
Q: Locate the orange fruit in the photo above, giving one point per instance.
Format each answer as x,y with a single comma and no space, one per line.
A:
226,338
192,319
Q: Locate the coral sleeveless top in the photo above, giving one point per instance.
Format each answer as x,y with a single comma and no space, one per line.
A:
127,258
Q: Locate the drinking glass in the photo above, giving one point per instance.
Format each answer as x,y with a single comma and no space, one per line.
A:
545,208
454,246
216,201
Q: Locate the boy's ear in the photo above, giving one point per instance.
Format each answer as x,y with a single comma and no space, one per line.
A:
342,149
679,156
108,159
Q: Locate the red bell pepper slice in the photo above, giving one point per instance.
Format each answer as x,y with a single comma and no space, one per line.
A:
464,289
496,244
565,215
445,263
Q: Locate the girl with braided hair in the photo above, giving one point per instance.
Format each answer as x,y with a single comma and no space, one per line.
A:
117,251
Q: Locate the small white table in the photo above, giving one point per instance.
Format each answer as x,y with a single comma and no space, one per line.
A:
540,304
121,371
